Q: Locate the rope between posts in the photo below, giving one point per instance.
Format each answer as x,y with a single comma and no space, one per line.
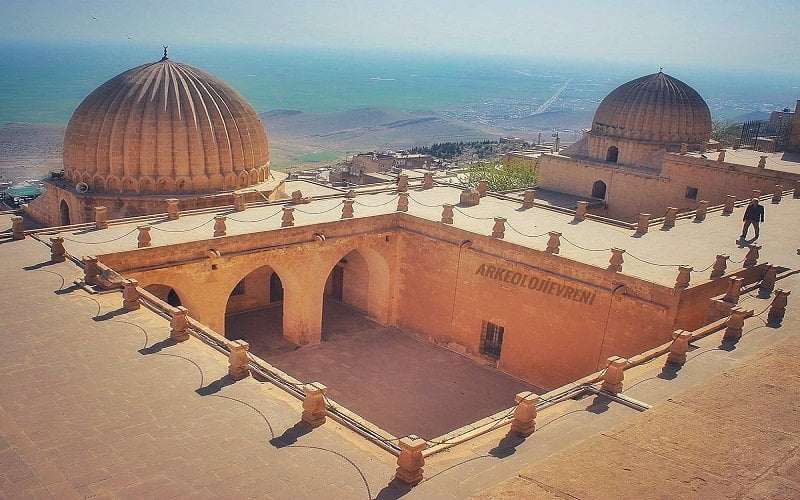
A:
524,234
423,204
181,230
256,220
652,263
584,248
322,212
102,242
378,205
702,270
472,216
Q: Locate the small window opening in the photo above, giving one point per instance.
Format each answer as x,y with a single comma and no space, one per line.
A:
691,193
491,339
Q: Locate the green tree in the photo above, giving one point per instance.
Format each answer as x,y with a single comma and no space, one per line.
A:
502,177
725,130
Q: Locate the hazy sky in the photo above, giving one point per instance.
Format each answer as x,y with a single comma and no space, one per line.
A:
720,33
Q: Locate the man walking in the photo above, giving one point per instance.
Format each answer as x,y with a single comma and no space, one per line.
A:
754,214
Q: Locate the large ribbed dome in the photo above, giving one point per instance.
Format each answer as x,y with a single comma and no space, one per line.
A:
656,108
165,127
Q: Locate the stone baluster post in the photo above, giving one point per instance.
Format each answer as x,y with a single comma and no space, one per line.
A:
735,323
100,218
762,162
238,202
57,251
614,374
553,243
402,183
238,360
219,225
447,213
769,279
287,219
777,193
314,410
751,259
778,307
90,270
527,198
173,211
427,180
734,290
679,347
721,156
297,197
616,260
720,265
581,209
17,228
402,202
499,229
483,187
796,193
144,236
670,216
524,422
347,209
730,201
643,223
702,210
684,277
179,326
410,462
130,294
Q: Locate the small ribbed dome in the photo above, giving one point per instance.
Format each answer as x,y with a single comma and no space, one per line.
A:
655,108
165,127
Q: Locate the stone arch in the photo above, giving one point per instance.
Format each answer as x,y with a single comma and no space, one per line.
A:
599,190
147,185
244,179
113,184
64,218
166,293
183,184
87,179
612,154
231,181
253,177
216,182
166,185
129,185
98,183
200,183
366,279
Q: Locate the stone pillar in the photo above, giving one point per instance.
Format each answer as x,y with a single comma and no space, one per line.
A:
734,290
684,277
679,347
238,202
130,295
402,183
219,225
347,209
57,251
238,360
483,187
427,180
314,410
735,323
720,265
528,197
762,162
402,202
178,324
756,193
410,461
447,213
751,259
769,279
702,210
796,193
616,260
144,236
173,212
777,193
100,218
90,270
643,224
580,210
499,229
297,197
730,201
614,374
684,148
524,422
553,243
287,219
778,307
17,228
721,156
669,217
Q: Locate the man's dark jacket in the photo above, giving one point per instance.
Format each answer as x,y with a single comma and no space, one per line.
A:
754,213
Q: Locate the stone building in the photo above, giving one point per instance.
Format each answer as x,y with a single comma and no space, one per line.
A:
158,131
650,148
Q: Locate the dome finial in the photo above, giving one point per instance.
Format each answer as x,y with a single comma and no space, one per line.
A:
660,69
165,53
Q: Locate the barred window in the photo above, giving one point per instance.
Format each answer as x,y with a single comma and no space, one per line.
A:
491,339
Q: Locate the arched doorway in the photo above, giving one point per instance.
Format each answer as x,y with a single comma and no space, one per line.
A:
356,291
254,311
612,154
599,190
63,211
165,293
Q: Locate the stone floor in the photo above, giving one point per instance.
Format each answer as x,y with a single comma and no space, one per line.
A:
395,380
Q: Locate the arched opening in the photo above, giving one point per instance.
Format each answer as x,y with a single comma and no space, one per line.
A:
356,291
599,190
63,211
165,293
254,312
612,154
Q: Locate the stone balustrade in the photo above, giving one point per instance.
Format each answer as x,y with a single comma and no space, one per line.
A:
524,422
614,374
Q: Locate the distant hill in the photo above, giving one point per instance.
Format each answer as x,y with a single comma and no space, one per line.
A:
753,115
